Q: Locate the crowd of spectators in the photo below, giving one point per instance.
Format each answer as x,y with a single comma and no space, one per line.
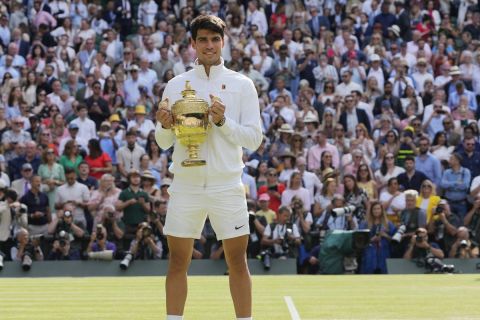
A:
371,104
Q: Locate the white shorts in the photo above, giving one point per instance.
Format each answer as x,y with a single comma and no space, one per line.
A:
227,211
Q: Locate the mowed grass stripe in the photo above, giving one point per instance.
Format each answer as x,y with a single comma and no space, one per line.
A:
316,297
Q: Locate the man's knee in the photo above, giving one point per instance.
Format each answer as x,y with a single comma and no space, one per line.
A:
238,264
180,254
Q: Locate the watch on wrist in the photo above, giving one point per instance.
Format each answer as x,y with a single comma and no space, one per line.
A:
221,122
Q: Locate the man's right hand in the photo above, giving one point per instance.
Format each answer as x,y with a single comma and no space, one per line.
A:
164,115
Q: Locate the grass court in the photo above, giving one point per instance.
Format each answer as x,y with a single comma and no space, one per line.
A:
314,297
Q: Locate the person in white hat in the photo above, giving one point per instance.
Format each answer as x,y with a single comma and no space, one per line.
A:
421,75
132,84
215,189
142,124
376,70
444,78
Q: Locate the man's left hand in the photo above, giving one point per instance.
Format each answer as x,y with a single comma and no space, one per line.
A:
217,109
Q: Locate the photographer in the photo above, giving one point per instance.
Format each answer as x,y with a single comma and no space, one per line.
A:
39,214
420,248
64,221
343,221
472,220
144,247
115,228
99,242
443,226
463,247
257,225
13,216
61,249
156,218
26,249
282,236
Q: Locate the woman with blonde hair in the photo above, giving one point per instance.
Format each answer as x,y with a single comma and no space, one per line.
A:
323,200
328,122
52,174
381,232
364,142
106,195
428,199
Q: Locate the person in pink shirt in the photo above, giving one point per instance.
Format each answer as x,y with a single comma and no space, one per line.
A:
315,153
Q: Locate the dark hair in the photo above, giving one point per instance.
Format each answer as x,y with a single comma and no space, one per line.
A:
95,149
409,158
390,181
437,137
207,22
81,106
69,170
322,165
383,168
68,146
355,190
369,176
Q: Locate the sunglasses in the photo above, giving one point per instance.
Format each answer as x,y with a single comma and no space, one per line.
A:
426,186
272,174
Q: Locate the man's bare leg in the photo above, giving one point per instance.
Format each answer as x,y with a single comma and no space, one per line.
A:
180,251
239,275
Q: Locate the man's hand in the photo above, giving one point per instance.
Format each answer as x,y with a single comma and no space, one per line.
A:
164,115
216,110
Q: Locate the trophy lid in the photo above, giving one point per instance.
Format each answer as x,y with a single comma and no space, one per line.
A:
190,102
188,92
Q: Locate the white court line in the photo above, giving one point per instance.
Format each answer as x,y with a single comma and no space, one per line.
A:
291,307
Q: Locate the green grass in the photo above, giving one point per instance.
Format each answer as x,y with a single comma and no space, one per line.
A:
316,297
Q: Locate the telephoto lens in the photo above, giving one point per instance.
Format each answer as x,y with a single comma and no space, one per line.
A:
125,263
1,262
26,262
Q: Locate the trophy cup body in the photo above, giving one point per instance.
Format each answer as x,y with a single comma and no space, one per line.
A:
190,117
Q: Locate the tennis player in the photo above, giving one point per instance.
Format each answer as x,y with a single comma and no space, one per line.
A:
215,189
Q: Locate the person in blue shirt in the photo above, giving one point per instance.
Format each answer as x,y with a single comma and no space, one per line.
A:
381,231
456,182
427,163
454,97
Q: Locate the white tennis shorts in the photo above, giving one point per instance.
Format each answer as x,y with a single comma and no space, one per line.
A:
227,211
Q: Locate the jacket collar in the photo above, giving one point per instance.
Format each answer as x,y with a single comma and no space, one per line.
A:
214,70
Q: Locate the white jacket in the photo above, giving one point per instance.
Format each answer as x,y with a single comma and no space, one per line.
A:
222,149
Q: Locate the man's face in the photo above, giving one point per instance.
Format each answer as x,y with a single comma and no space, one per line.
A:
131,139
84,169
27,173
135,180
469,145
208,46
71,177
36,182
31,149
263,204
423,146
164,53
346,77
411,202
409,165
284,217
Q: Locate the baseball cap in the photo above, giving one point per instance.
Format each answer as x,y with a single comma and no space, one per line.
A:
72,126
264,197
166,182
27,166
252,163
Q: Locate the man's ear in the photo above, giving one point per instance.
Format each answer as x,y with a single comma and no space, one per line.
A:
193,43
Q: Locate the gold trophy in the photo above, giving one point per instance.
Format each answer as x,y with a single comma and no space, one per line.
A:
190,124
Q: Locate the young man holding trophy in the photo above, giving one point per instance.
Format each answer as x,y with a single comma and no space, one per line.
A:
209,113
